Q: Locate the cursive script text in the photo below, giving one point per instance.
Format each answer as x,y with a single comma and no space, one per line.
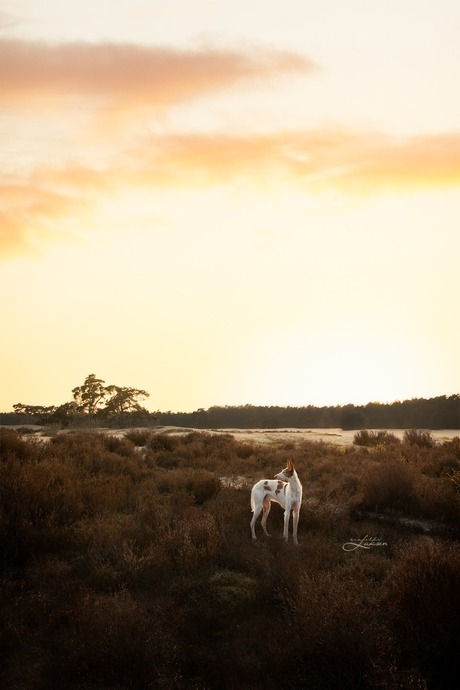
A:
366,543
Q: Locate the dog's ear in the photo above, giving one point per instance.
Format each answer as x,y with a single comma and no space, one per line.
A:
290,465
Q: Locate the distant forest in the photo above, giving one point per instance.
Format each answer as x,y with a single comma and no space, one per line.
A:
442,412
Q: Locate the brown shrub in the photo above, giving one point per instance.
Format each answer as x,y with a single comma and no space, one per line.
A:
389,486
38,503
123,551
438,500
193,542
120,643
162,442
334,639
374,438
140,437
415,437
118,445
202,485
422,598
13,446
441,463
90,453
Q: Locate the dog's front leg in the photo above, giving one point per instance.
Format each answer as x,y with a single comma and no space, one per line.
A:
295,522
287,515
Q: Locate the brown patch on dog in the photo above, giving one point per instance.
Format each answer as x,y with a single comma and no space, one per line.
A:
281,485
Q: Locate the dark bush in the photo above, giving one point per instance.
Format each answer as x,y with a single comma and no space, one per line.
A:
374,438
140,437
202,485
415,437
334,638
13,446
119,445
390,486
422,598
121,643
162,442
95,454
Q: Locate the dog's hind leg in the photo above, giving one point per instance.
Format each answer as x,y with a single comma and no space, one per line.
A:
256,512
266,509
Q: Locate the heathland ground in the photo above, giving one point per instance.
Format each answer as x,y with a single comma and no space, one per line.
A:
127,561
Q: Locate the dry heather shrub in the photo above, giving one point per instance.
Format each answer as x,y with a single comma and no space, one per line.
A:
147,549
37,618
231,589
13,446
120,446
162,442
38,503
121,643
438,499
443,460
455,479
322,469
203,450
140,437
374,438
202,485
334,639
195,449
244,450
422,597
90,453
113,556
415,437
193,542
389,486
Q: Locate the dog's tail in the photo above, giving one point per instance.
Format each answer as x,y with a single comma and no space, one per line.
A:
253,505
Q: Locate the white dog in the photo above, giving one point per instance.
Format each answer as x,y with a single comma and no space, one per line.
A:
287,491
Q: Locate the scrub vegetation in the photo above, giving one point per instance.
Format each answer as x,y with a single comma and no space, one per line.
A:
127,563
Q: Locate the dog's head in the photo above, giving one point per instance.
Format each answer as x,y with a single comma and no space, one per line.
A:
287,473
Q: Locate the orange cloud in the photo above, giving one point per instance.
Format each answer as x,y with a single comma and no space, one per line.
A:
26,215
115,79
132,75
381,164
366,162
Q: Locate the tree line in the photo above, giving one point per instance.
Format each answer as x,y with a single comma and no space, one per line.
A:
442,412
94,403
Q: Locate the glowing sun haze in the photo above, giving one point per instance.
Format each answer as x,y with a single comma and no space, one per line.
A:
230,203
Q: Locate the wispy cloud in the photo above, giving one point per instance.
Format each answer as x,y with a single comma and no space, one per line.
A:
39,195
127,75
380,163
364,163
322,159
28,214
57,83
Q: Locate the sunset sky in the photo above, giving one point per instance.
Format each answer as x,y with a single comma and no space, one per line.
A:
229,203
